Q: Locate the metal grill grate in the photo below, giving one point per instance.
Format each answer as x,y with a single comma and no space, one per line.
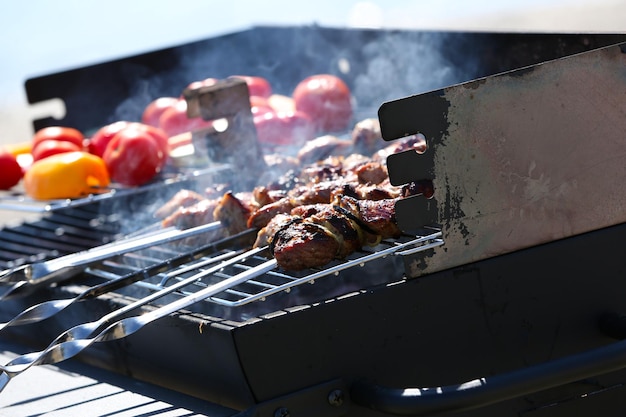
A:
257,287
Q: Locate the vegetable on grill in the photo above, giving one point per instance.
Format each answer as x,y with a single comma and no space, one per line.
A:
66,175
11,170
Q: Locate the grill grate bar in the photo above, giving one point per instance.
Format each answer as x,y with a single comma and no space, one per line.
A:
260,286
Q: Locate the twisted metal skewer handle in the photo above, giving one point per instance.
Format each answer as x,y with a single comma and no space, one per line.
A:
38,312
56,269
47,309
58,352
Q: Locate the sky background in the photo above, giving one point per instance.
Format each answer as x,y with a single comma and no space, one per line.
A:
40,37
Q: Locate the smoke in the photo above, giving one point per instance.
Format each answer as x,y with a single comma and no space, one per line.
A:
397,67
378,66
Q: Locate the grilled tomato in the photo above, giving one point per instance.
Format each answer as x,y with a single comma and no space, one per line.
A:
59,133
284,129
174,120
50,147
10,169
155,109
327,100
98,143
56,139
257,86
133,156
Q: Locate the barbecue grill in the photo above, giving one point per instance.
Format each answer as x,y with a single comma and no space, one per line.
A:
452,317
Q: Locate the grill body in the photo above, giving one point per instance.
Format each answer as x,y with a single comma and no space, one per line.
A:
478,320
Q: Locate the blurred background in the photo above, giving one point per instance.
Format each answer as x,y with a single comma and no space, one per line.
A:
40,37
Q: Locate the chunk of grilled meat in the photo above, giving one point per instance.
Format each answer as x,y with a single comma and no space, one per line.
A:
367,136
416,143
193,215
322,147
320,192
264,195
183,198
377,216
341,227
276,223
312,235
233,212
303,245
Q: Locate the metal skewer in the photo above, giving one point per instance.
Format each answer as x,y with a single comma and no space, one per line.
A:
188,261
59,269
58,352
47,309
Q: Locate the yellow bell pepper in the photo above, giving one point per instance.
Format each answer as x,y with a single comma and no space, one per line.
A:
66,175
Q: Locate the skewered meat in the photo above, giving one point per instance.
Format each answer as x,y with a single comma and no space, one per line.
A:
263,215
304,245
313,235
377,216
367,136
183,198
233,212
263,195
194,215
322,147
415,142
325,210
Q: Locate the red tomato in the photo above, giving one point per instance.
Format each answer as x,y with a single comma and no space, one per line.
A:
99,141
133,157
257,86
64,134
174,120
10,169
327,100
155,109
159,136
51,147
293,128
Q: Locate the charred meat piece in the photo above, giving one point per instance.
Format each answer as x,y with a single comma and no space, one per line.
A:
266,234
359,191
327,170
322,147
313,235
194,215
183,198
343,228
377,217
263,195
303,244
261,217
416,143
320,192
372,172
233,212
315,193
366,136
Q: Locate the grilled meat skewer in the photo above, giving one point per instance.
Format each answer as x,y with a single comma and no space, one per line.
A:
313,235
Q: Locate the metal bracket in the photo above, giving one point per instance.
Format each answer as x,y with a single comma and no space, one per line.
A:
330,399
517,159
232,140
